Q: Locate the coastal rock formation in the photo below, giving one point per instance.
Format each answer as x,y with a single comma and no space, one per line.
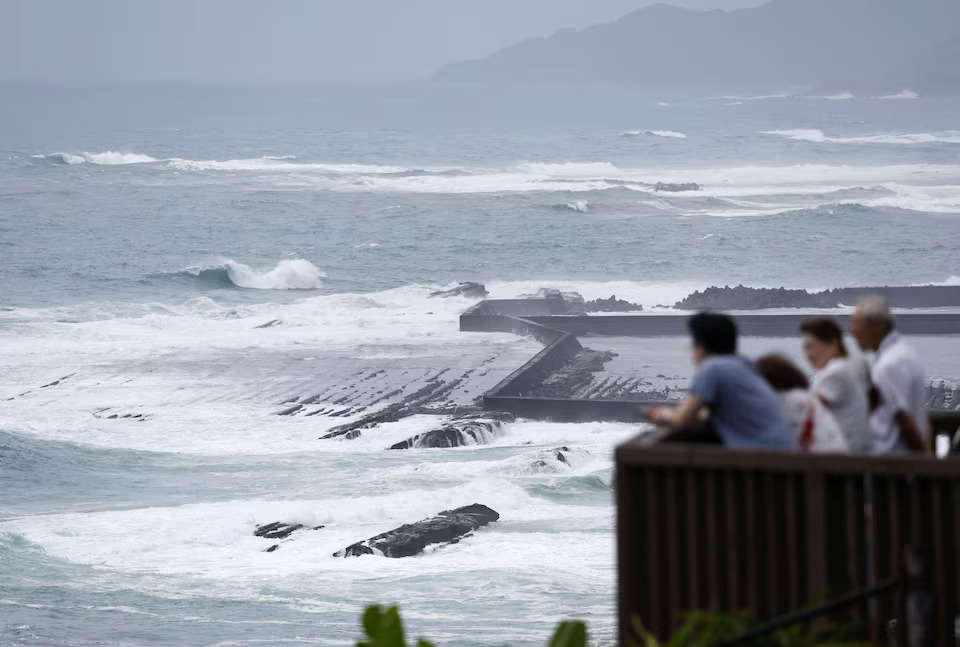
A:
468,289
613,304
471,429
448,527
744,298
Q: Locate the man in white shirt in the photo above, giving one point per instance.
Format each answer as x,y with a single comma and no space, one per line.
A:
900,422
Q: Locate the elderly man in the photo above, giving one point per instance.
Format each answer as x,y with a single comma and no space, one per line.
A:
900,422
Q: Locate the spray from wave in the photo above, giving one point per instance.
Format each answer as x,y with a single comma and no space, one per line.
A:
289,274
818,136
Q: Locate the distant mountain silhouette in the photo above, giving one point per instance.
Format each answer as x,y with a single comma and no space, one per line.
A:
785,42
937,71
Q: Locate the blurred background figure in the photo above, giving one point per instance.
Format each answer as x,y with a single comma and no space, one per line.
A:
841,382
741,407
814,426
900,422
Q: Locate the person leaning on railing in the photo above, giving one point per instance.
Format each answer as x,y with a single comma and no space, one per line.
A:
729,401
899,422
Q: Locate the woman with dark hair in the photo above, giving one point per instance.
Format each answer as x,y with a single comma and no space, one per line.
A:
815,427
841,382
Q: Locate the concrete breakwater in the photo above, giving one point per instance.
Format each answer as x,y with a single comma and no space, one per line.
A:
559,382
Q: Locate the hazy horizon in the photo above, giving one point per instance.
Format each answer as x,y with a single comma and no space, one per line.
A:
294,41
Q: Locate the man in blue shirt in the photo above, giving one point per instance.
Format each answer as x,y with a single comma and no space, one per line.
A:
742,408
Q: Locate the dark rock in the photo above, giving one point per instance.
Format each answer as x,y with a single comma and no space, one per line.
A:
613,304
676,188
272,548
446,528
469,289
269,324
277,530
470,429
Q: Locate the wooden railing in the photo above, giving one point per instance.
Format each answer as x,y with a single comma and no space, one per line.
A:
704,528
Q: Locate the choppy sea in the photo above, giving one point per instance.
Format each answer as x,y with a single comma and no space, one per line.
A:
147,233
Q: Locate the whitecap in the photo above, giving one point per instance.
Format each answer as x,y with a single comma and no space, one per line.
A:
655,133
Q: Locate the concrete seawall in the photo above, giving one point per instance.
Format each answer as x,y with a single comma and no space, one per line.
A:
547,321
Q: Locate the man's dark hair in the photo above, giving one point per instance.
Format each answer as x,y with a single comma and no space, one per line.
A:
717,333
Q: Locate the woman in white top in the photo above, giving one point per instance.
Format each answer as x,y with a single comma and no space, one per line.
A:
815,427
841,383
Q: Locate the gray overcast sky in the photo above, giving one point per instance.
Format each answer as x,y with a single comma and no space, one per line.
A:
277,40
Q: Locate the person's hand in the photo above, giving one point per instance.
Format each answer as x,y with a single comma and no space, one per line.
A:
660,415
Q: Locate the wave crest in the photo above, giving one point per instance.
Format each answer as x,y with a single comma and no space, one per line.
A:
289,274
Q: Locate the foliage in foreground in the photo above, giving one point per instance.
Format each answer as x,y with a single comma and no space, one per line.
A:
384,628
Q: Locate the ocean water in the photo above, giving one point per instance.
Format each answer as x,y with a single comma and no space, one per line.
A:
148,233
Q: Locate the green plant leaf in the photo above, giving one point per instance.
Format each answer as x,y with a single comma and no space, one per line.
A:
649,640
384,628
424,643
570,633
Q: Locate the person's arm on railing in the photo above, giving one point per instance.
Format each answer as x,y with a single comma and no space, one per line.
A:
685,416
912,437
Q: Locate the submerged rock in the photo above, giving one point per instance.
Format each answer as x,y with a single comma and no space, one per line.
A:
467,289
472,429
574,375
448,527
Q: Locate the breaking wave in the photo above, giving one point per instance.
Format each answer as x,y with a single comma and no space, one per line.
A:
906,94
107,158
843,96
948,137
289,274
654,133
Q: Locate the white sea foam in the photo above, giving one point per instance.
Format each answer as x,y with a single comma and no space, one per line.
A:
947,137
655,133
583,206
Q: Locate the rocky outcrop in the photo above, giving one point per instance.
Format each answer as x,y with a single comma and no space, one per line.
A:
744,298
613,304
673,187
468,289
448,527
471,429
